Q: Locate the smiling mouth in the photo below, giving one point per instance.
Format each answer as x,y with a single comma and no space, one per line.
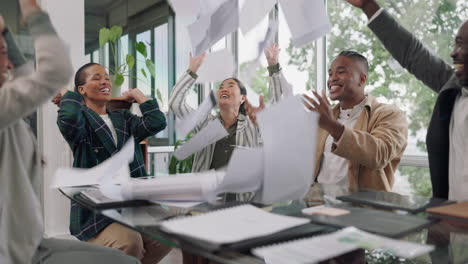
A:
105,90
334,88
224,96
458,66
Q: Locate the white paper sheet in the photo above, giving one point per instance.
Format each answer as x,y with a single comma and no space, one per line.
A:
108,171
185,8
253,12
217,66
232,225
244,172
185,125
289,143
213,132
307,20
187,187
211,27
320,248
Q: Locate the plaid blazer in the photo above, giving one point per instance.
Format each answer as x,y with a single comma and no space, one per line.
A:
91,142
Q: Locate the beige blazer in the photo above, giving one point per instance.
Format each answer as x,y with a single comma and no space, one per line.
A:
373,147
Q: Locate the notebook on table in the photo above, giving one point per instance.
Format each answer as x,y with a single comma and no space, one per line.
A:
375,221
389,200
94,199
240,227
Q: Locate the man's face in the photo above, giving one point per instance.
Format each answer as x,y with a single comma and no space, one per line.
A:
460,54
345,79
4,62
98,86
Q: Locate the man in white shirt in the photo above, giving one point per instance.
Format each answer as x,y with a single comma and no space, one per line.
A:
360,141
447,141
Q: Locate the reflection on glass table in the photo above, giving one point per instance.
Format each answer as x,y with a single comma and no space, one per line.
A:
450,241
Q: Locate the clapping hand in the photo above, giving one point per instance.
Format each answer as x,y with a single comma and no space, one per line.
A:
252,110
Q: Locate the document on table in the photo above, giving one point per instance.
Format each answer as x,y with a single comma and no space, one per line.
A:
324,247
289,140
208,135
252,12
111,170
217,66
211,27
188,123
232,225
307,20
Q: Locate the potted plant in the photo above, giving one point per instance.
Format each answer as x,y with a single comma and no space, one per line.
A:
120,70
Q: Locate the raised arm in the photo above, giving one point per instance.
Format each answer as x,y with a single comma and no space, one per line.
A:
279,87
152,121
20,96
70,119
178,98
405,48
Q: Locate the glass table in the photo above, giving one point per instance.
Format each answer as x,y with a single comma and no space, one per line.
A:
450,241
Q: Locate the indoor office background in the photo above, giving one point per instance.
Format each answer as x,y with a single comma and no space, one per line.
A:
166,36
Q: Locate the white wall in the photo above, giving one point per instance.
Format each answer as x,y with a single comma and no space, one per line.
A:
68,18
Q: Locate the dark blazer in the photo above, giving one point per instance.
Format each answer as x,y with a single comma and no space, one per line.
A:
91,142
437,75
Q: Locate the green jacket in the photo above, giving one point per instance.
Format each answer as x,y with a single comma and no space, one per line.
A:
91,142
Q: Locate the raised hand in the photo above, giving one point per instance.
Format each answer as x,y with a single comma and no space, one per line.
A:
252,110
135,94
28,7
196,62
368,6
272,54
326,121
56,100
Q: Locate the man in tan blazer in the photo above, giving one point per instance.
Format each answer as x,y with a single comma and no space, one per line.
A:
361,141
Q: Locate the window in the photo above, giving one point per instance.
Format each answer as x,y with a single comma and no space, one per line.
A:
143,78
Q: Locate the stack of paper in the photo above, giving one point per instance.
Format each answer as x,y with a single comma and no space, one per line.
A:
231,225
324,247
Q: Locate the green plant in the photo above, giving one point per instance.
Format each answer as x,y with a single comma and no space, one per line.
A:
120,70
181,166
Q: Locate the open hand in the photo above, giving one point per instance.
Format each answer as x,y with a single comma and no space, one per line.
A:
252,110
323,107
272,54
196,62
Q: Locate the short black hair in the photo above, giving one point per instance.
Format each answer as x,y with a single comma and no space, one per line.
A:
356,56
243,91
80,75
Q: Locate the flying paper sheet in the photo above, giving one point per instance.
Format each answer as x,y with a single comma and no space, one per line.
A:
213,132
253,12
307,20
244,172
217,66
185,8
111,170
289,139
185,125
182,187
211,27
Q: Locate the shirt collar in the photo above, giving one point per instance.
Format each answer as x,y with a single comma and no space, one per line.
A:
353,112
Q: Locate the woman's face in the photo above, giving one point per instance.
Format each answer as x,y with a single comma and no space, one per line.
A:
98,86
229,95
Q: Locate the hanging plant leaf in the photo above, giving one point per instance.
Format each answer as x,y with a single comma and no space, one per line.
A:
130,61
115,33
103,36
144,73
151,67
118,80
159,96
141,48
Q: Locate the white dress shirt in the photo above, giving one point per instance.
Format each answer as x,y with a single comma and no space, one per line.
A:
458,167
334,169
109,124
